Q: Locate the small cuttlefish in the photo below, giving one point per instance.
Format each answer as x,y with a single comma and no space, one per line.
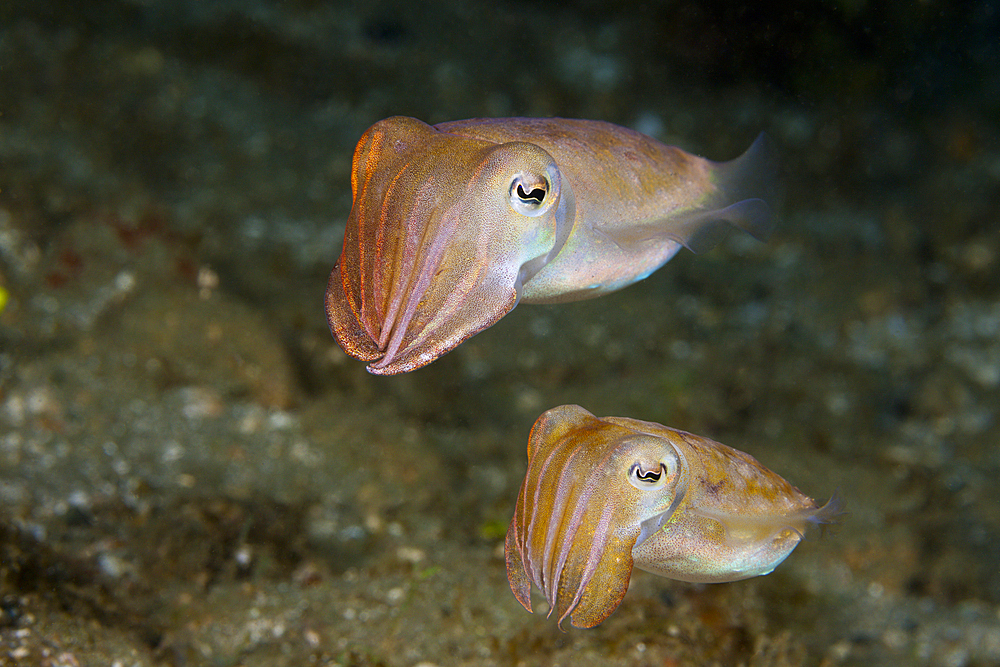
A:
453,224
603,495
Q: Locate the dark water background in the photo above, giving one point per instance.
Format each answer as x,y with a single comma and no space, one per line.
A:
191,472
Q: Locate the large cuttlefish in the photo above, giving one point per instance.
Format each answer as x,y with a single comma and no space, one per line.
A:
453,224
603,495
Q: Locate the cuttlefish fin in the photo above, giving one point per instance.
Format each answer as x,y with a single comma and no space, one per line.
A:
742,188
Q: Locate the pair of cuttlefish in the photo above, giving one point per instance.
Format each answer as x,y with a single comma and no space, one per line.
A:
454,224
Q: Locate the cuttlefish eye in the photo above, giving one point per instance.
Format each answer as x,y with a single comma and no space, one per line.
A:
530,194
647,477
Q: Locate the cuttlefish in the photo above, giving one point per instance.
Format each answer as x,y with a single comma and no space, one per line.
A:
453,224
602,496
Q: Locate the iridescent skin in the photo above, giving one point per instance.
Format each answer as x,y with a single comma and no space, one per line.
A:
603,495
454,224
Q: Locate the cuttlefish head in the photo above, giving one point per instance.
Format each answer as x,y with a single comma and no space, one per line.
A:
443,232
590,487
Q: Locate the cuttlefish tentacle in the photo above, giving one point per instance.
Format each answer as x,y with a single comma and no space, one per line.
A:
603,495
452,225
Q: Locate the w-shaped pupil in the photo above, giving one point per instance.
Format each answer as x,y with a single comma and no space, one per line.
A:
651,476
536,194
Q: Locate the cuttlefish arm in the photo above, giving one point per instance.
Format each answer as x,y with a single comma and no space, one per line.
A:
603,495
452,225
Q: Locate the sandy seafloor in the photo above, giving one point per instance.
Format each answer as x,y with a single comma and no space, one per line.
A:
193,473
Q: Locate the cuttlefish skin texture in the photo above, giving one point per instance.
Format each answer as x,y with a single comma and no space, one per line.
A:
453,224
603,495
